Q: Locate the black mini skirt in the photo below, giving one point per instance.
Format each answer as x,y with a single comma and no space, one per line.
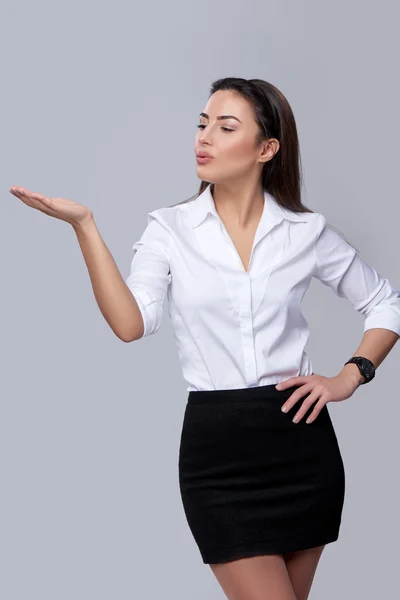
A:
252,481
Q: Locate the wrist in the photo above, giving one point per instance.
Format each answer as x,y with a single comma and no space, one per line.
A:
85,223
352,372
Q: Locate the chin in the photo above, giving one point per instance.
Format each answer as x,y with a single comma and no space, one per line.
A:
205,167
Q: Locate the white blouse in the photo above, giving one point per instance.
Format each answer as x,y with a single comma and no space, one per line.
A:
233,328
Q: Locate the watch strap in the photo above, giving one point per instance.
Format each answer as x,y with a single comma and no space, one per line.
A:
365,366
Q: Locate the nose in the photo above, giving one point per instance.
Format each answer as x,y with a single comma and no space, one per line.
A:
205,135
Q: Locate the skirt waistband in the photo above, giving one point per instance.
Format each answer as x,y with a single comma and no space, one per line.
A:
262,392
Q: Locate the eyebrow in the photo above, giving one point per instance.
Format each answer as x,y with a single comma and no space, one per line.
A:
202,114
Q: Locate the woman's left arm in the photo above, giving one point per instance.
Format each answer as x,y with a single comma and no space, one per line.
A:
375,345
340,266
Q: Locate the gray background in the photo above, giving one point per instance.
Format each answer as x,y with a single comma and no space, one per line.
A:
100,104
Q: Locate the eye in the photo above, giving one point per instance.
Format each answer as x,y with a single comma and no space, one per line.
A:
224,128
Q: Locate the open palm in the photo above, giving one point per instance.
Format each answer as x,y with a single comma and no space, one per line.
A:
60,208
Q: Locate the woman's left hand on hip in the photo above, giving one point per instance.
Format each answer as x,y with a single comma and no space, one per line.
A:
320,389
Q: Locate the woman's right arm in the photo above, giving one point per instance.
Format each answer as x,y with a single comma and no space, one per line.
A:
116,302
115,299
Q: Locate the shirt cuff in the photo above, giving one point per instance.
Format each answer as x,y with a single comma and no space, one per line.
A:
384,319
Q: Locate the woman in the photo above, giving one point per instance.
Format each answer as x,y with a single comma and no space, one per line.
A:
260,471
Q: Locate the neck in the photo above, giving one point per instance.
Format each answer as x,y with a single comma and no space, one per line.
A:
239,205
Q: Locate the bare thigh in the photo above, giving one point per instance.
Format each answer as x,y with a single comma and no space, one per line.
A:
255,578
301,566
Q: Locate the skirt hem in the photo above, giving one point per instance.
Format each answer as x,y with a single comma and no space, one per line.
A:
257,548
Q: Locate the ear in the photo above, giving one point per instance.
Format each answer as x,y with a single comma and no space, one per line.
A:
268,149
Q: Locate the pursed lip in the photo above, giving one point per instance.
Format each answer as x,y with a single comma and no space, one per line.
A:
204,155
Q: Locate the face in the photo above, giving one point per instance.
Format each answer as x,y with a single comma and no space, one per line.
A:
231,140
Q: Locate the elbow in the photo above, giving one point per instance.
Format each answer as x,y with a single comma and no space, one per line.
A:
127,340
147,321
132,336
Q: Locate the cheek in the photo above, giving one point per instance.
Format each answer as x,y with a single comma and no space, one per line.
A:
237,154
237,146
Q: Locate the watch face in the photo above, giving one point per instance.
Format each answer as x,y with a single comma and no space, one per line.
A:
367,368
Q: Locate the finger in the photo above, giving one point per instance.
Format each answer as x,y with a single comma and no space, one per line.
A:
23,195
42,198
30,198
16,190
43,203
291,382
19,190
317,409
295,397
313,397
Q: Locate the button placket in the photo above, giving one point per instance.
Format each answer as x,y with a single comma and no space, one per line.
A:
246,329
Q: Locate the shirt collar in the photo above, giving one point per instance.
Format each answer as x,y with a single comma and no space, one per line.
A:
273,213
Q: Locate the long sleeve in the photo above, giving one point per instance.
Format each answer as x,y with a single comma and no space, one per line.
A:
340,266
150,273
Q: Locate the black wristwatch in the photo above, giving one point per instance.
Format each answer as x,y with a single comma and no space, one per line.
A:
366,367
